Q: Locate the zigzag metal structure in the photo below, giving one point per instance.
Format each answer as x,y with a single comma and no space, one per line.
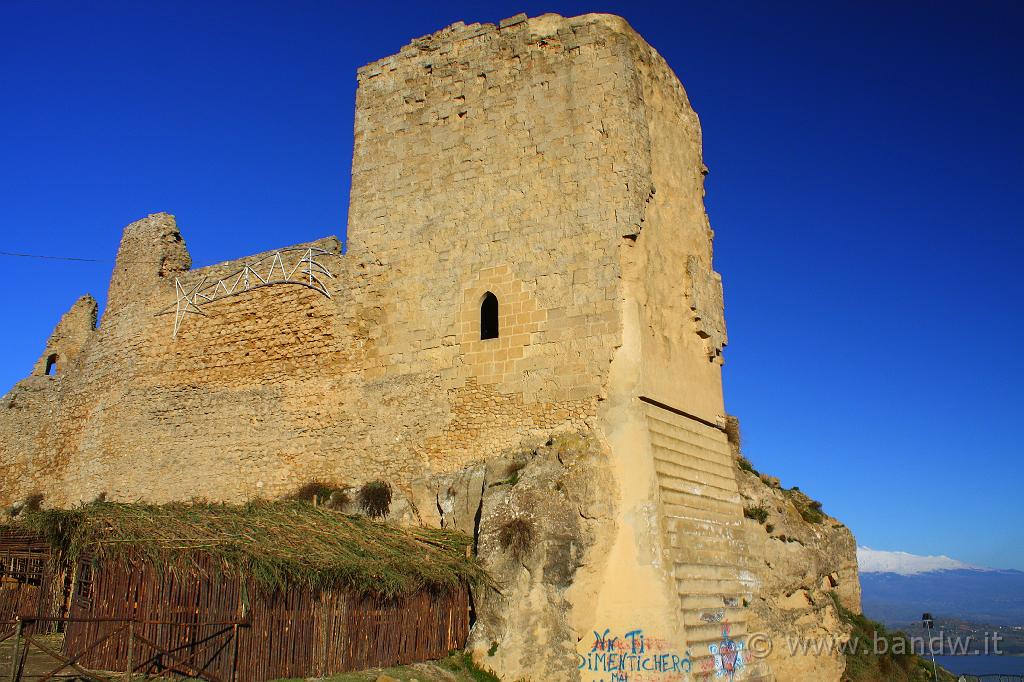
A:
307,272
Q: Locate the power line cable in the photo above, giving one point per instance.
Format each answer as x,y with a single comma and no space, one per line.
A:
14,254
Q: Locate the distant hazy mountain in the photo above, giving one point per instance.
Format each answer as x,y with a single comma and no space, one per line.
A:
898,587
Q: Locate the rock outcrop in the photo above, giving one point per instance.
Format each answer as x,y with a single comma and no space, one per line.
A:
536,512
805,559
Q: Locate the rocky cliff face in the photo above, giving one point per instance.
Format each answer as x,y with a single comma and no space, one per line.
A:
540,515
536,513
803,557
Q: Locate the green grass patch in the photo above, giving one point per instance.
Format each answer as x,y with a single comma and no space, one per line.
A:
897,664
758,513
744,464
809,510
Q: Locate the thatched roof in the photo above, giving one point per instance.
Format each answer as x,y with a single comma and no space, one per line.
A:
276,543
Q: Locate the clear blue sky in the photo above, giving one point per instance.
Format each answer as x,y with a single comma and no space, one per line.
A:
865,186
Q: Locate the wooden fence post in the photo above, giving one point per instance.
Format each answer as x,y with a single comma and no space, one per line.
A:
16,658
131,642
234,656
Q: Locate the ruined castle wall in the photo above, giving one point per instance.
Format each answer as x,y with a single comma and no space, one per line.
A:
237,405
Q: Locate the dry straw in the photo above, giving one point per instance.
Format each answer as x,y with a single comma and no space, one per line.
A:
276,543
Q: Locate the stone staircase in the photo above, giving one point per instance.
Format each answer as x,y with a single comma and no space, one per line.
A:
701,516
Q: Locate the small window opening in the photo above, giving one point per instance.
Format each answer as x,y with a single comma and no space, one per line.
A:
489,317
51,365
83,583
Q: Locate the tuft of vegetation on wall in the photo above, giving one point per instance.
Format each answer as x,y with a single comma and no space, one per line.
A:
375,499
732,432
744,464
758,513
513,475
33,502
276,543
516,536
320,492
810,510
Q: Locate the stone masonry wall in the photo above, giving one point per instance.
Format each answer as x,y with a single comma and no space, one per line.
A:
522,190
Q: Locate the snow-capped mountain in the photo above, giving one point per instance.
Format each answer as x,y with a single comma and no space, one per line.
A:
897,587
903,563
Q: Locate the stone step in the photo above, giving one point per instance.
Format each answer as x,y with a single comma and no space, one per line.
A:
702,513
667,448
705,555
706,570
670,486
710,535
682,442
689,559
709,551
756,671
702,527
662,443
686,470
681,421
703,668
713,615
699,636
689,436
699,500
723,587
691,543
700,603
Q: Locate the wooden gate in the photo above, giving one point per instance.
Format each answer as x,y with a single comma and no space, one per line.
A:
26,657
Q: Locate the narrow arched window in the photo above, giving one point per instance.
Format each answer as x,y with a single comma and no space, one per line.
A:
489,317
51,365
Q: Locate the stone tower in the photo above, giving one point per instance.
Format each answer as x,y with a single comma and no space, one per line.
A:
556,164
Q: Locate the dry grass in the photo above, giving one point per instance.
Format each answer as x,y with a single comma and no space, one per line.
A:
32,503
516,536
275,543
732,431
375,499
320,492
